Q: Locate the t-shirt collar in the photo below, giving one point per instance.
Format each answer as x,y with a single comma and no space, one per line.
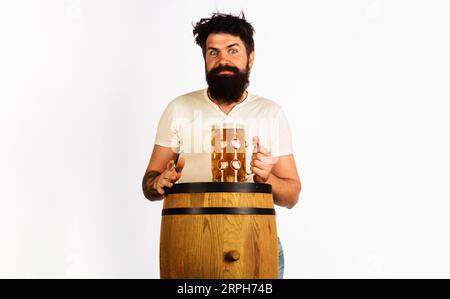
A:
247,99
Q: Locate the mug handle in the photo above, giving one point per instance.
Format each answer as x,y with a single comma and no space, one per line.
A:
248,173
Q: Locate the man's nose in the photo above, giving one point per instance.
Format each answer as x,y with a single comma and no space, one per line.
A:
223,59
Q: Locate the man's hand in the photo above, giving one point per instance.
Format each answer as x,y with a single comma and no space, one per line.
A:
170,176
262,162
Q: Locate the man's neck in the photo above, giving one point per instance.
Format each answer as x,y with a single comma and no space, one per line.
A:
227,107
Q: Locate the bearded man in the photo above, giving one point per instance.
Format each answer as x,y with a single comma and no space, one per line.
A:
182,150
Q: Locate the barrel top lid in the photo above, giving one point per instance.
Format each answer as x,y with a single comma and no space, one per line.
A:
209,187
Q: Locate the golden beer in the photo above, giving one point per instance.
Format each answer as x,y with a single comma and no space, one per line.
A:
228,153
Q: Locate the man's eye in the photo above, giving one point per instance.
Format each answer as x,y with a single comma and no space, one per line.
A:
213,53
233,51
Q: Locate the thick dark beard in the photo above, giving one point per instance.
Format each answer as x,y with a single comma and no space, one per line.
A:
227,88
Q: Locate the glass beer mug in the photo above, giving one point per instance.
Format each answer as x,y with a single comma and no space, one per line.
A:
228,155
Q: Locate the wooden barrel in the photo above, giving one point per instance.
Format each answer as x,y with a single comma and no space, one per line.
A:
219,230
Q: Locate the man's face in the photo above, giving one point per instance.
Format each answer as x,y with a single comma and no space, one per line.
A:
227,66
226,49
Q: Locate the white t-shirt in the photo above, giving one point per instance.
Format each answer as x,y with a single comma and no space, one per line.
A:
186,123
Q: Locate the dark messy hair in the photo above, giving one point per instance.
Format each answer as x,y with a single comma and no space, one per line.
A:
225,23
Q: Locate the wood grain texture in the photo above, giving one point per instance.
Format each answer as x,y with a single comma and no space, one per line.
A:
196,246
219,199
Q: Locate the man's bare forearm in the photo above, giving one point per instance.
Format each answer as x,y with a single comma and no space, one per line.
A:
147,186
285,191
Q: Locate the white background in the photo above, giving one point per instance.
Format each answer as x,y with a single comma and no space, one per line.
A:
364,83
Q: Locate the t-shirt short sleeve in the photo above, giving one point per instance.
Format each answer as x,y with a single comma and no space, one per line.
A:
167,133
282,138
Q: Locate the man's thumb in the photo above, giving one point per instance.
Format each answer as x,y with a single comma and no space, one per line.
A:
255,144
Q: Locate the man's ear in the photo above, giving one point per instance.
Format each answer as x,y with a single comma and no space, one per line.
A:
251,59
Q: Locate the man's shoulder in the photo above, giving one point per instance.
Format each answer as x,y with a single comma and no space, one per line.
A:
189,98
264,103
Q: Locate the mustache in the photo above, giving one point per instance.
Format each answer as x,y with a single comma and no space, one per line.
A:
221,68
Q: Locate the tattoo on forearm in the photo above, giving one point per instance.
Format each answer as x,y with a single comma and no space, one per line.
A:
147,185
